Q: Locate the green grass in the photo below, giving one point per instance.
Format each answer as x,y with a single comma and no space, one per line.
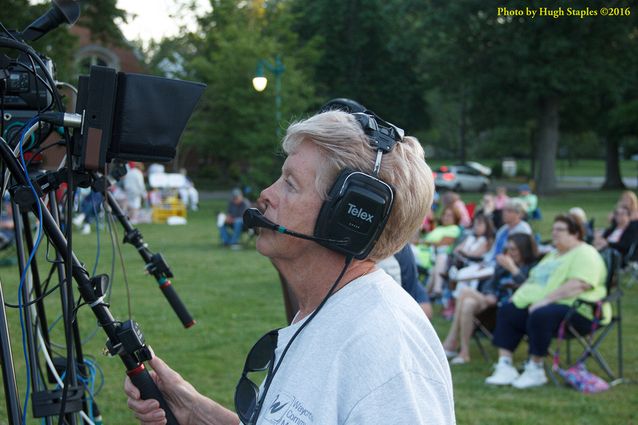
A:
236,297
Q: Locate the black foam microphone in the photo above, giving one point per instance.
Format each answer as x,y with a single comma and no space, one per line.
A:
253,218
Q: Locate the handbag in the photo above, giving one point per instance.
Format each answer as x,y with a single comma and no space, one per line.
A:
577,376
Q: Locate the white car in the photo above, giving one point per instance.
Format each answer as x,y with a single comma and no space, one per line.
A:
460,178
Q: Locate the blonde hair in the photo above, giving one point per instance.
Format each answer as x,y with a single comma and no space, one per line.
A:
343,144
629,199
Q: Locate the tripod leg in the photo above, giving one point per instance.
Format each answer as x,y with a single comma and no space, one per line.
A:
25,312
66,293
8,372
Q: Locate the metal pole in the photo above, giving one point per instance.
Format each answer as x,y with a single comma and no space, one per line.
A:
8,372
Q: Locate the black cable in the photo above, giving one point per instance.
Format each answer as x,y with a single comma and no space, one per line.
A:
124,275
37,76
270,376
46,291
8,32
39,151
36,300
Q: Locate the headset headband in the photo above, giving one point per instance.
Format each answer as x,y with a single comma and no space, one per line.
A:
383,135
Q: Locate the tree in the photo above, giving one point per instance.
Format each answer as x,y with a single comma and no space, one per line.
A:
516,68
233,130
367,51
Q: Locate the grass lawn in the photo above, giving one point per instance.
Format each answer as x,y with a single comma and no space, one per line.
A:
235,297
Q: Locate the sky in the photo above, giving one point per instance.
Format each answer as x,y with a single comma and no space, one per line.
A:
154,19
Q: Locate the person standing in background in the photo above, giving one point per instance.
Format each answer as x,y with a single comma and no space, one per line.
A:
135,188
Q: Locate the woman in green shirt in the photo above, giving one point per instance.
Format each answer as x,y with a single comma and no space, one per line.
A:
573,270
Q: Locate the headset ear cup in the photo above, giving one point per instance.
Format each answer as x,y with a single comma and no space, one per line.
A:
357,209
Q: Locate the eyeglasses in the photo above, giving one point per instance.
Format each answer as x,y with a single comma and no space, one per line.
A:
559,229
261,357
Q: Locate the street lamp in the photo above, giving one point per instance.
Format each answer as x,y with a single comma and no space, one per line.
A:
260,82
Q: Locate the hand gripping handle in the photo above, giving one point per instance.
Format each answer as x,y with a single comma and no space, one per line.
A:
143,381
176,303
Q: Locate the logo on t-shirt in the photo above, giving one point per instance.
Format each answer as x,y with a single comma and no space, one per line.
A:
276,405
286,410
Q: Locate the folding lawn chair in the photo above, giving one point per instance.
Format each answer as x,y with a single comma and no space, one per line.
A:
592,341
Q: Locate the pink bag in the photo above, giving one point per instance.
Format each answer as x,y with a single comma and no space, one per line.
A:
578,376
583,380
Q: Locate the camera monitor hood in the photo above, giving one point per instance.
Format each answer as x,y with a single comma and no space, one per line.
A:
131,116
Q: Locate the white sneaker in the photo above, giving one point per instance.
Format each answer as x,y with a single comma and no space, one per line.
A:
532,376
450,354
78,219
221,219
504,374
86,229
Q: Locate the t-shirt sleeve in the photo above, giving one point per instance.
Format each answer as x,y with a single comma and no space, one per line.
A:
587,266
407,399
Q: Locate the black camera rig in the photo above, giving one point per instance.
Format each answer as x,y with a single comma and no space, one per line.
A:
118,116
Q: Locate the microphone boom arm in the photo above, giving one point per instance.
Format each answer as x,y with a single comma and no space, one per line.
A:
156,265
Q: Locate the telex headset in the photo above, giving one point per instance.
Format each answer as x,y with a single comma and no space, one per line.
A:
358,204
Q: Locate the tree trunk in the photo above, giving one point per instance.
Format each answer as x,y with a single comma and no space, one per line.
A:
462,130
613,180
546,146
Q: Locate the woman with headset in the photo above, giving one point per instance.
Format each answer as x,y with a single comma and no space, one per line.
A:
352,191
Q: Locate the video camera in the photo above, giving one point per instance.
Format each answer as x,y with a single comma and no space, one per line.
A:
118,115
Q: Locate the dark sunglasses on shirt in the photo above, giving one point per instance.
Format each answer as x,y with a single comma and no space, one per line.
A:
260,358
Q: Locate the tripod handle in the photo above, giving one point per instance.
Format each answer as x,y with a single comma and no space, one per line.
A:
148,389
175,302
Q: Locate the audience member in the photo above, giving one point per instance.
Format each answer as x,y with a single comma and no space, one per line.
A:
501,197
574,270
474,246
452,199
579,213
135,188
487,207
187,193
513,223
629,200
402,268
90,207
530,201
478,241
620,235
440,242
500,200
511,271
233,219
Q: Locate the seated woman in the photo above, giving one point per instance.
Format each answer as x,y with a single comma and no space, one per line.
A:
437,244
478,242
574,270
629,200
621,235
511,270
472,248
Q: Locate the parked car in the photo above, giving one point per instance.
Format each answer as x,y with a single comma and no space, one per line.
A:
460,178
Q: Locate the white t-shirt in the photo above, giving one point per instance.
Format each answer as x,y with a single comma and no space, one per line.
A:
370,356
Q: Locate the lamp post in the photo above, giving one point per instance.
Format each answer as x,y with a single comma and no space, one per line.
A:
260,81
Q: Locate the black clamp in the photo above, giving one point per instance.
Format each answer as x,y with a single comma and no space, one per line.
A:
131,341
158,266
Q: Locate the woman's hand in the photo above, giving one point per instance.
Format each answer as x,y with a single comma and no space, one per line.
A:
178,393
507,263
538,304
